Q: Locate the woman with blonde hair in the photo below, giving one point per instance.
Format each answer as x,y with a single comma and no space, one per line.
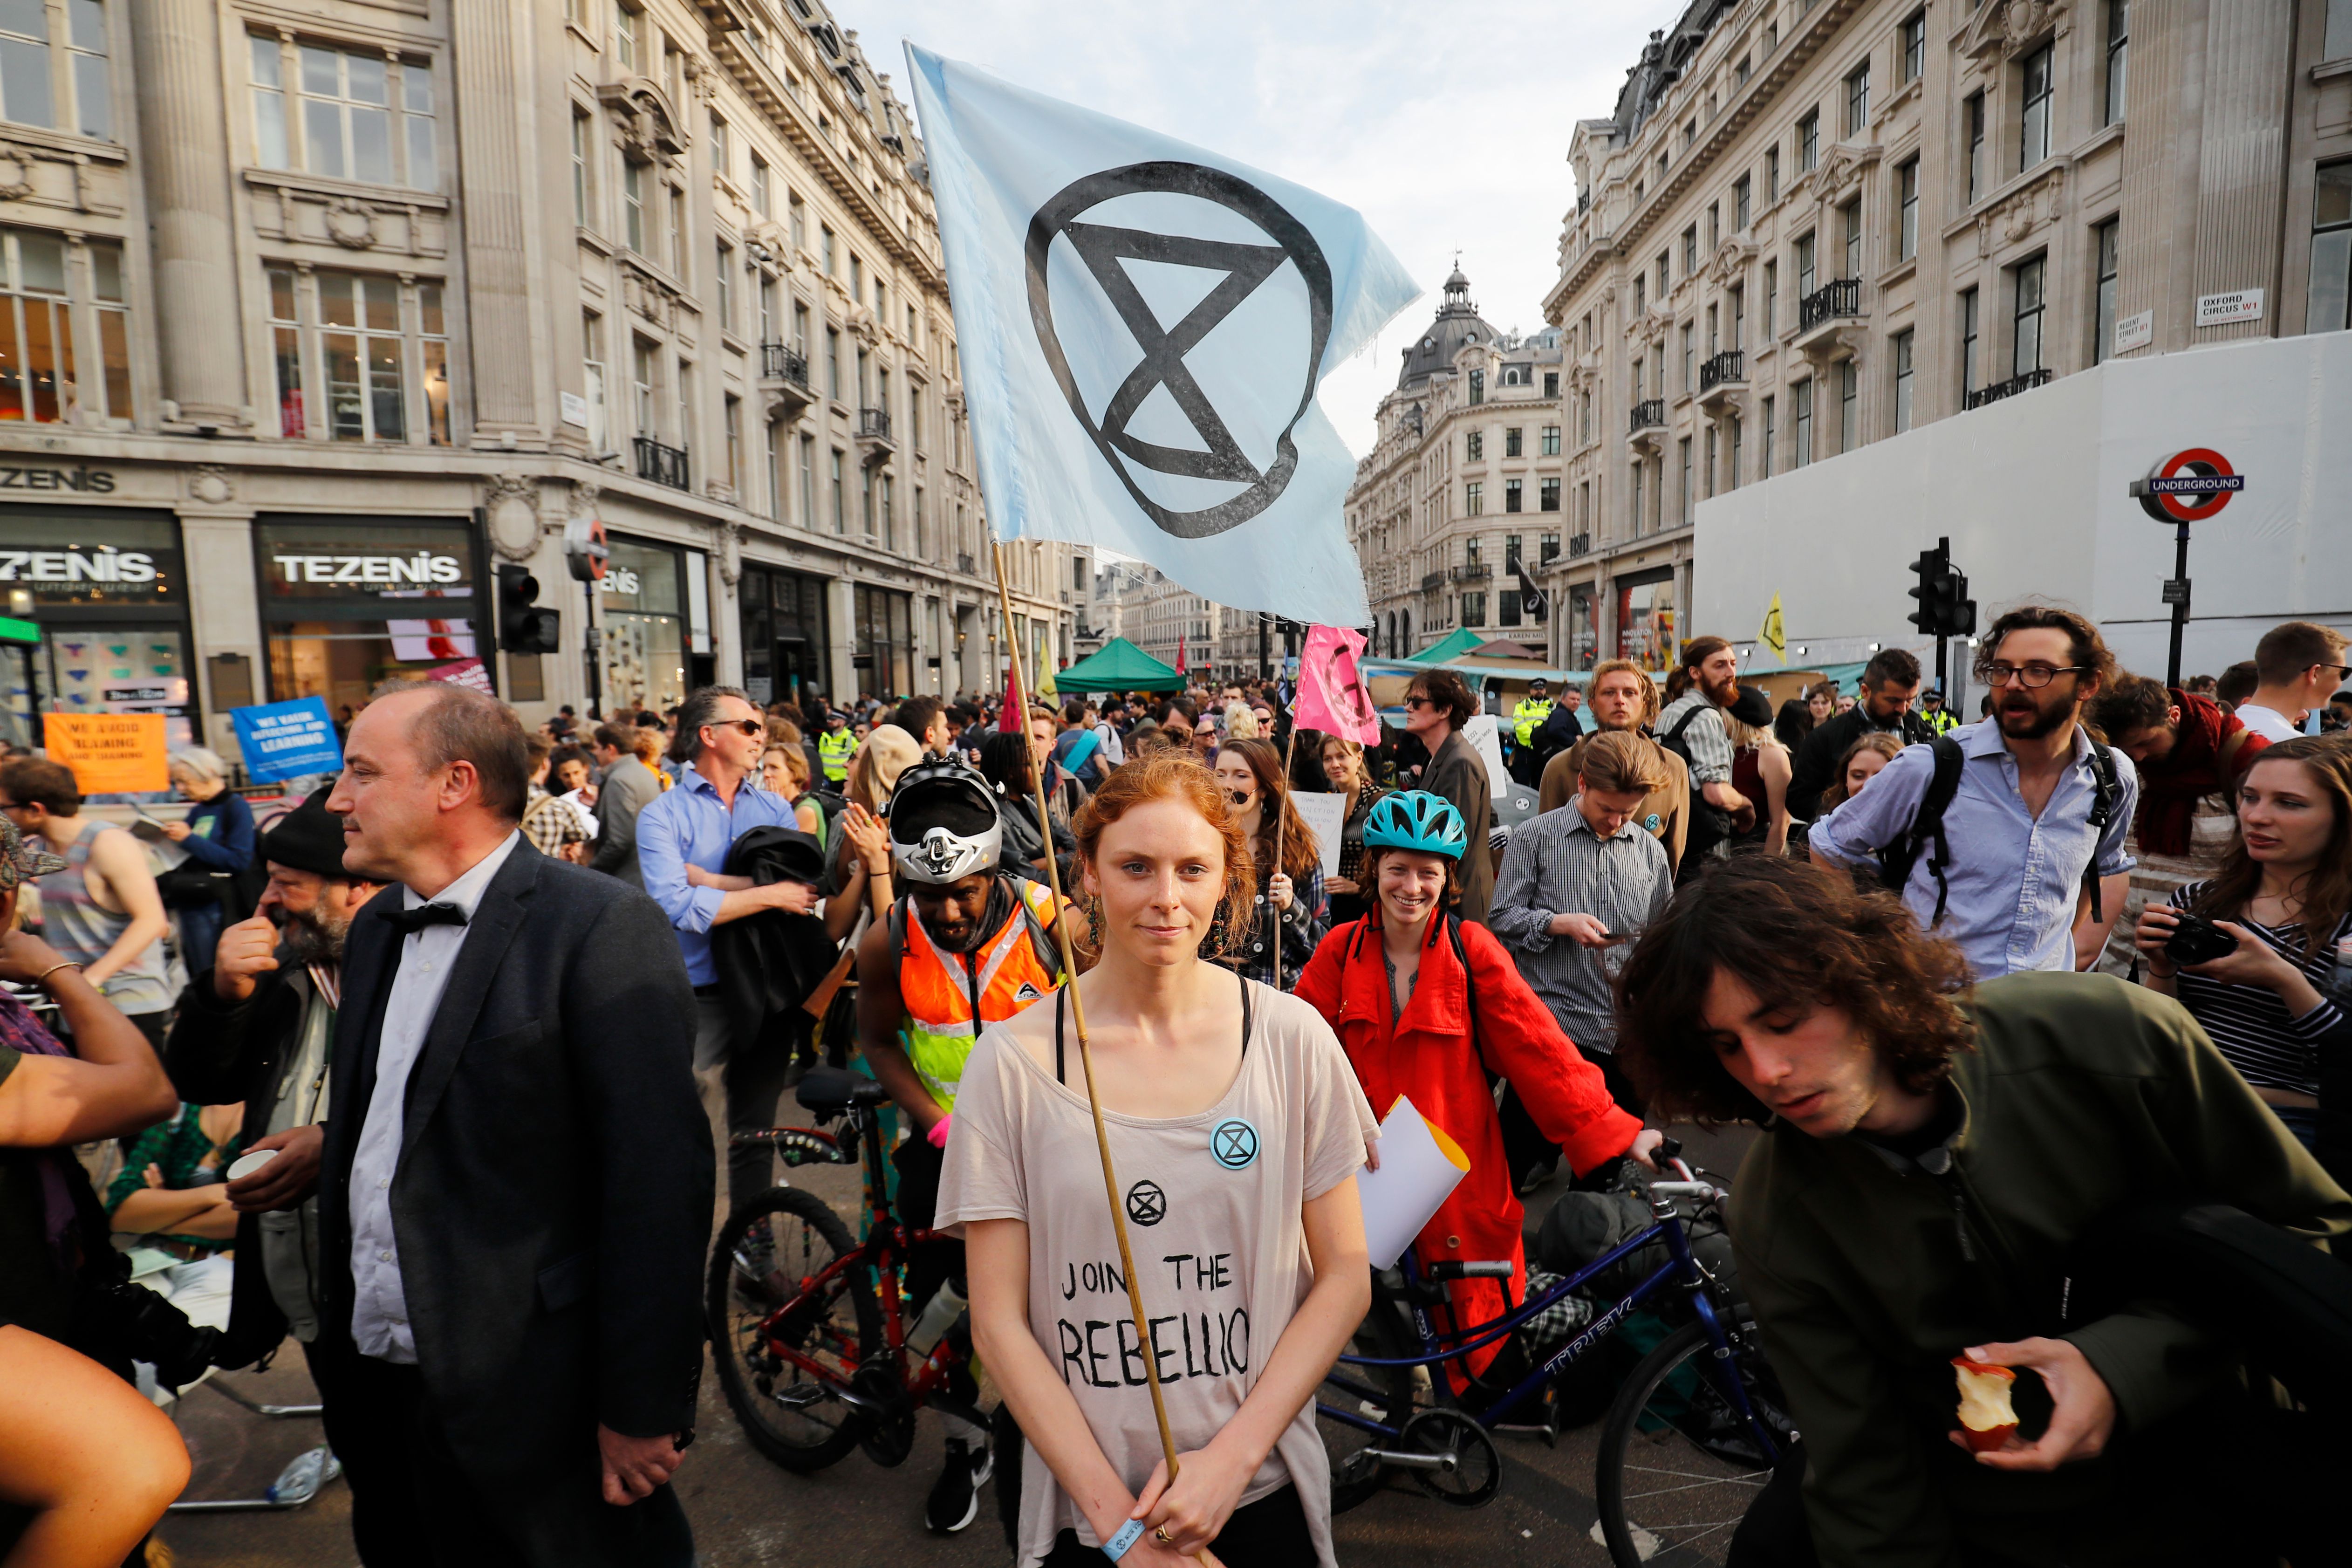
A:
646,744
784,769
1232,1108
1760,770
1240,723
1347,772
1287,911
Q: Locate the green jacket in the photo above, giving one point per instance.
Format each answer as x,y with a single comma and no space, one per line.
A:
2084,1092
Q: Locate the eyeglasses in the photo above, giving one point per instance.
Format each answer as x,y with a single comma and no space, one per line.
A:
747,726
1418,702
2343,670
2032,677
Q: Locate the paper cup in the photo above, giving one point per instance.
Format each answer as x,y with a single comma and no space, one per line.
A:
245,1165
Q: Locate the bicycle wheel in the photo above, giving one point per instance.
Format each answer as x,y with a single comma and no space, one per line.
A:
758,1304
1381,1393
1678,1465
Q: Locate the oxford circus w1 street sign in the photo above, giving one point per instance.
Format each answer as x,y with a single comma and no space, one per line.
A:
1141,326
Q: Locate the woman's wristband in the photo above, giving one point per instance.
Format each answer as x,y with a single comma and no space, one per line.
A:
1128,1535
42,979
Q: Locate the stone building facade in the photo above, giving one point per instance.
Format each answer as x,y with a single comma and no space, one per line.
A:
1812,225
1463,484
326,314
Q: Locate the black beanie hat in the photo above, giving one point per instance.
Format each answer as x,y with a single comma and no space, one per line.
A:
308,838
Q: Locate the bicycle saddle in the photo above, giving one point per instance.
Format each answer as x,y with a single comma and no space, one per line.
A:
828,1092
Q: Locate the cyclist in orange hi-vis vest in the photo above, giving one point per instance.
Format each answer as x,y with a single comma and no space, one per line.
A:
965,946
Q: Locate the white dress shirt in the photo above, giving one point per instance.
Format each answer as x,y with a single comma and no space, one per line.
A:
379,1304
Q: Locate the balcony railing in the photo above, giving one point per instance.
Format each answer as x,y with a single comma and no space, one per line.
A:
662,464
782,362
2009,388
1579,544
1728,366
1647,413
965,565
1828,302
1474,571
1430,580
873,424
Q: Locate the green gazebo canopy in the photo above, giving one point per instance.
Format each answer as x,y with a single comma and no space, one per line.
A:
1119,666
1454,644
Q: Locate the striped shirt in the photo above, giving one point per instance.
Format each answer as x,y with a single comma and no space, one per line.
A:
1553,865
1707,740
2249,1022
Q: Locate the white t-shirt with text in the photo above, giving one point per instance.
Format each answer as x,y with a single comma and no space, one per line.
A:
1212,1203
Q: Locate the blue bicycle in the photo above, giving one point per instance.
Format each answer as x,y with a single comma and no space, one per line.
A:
1693,1434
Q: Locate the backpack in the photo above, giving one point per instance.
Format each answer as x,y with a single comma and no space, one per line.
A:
1896,860
1710,825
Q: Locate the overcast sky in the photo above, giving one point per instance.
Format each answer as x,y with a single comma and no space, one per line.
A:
1446,125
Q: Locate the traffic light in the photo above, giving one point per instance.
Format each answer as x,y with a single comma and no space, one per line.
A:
1945,609
523,626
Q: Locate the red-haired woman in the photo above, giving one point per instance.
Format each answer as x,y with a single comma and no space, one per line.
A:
1236,1130
1416,1021
1289,906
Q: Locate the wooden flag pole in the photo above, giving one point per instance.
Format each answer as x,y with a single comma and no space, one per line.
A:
1085,1057
1288,746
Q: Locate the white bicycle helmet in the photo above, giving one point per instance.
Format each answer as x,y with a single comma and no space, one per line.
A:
943,823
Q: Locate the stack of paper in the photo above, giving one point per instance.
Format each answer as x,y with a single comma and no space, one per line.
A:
1420,1168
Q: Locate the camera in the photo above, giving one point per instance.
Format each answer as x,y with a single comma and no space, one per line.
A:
2198,941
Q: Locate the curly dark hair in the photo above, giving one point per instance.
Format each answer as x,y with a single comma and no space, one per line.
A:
1799,937
2090,650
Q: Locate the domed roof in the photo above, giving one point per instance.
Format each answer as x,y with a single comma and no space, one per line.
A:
1457,323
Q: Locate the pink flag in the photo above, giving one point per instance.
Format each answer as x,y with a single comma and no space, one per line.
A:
1332,693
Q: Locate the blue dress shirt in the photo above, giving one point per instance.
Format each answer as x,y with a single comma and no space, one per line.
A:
687,826
2016,879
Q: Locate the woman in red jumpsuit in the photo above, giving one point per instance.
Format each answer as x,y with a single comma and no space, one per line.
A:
1393,989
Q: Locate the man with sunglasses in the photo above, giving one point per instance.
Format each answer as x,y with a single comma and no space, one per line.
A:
683,836
2024,865
2299,666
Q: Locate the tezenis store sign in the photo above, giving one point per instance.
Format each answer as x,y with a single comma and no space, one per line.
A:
423,567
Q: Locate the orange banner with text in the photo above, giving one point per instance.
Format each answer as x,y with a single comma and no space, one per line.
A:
110,753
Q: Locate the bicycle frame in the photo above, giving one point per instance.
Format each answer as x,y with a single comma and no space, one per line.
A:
884,1249
1681,1269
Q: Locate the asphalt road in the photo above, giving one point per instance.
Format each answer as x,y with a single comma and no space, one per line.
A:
747,1512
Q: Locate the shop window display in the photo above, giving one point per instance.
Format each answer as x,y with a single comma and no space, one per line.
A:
349,602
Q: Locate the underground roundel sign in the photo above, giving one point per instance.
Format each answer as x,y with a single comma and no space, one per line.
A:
2189,487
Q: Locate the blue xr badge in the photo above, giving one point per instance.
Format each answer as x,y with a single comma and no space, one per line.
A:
1232,1143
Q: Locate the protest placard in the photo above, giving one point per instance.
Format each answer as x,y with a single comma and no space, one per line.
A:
110,753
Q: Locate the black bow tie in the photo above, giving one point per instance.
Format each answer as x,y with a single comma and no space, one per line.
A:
408,923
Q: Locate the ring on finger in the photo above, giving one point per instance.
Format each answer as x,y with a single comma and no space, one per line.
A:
1161,1536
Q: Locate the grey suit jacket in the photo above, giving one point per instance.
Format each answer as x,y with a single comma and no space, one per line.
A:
628,786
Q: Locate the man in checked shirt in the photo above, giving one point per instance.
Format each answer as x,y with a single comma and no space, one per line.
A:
1575,884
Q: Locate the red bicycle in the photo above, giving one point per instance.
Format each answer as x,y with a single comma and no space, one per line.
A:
805,1324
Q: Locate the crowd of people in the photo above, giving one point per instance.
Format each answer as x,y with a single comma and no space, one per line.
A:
317,1053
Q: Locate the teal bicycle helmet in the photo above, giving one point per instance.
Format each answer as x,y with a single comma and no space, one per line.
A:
1416,819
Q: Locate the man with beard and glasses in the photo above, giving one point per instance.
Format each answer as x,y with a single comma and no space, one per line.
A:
260,1027
1692,728
966,946
2007,836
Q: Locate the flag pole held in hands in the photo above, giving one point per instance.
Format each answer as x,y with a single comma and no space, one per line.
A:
1086,1056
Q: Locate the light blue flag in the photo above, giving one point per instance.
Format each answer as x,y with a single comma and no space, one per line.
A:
1142,326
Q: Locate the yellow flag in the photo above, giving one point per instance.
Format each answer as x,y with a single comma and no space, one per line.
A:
1775,637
